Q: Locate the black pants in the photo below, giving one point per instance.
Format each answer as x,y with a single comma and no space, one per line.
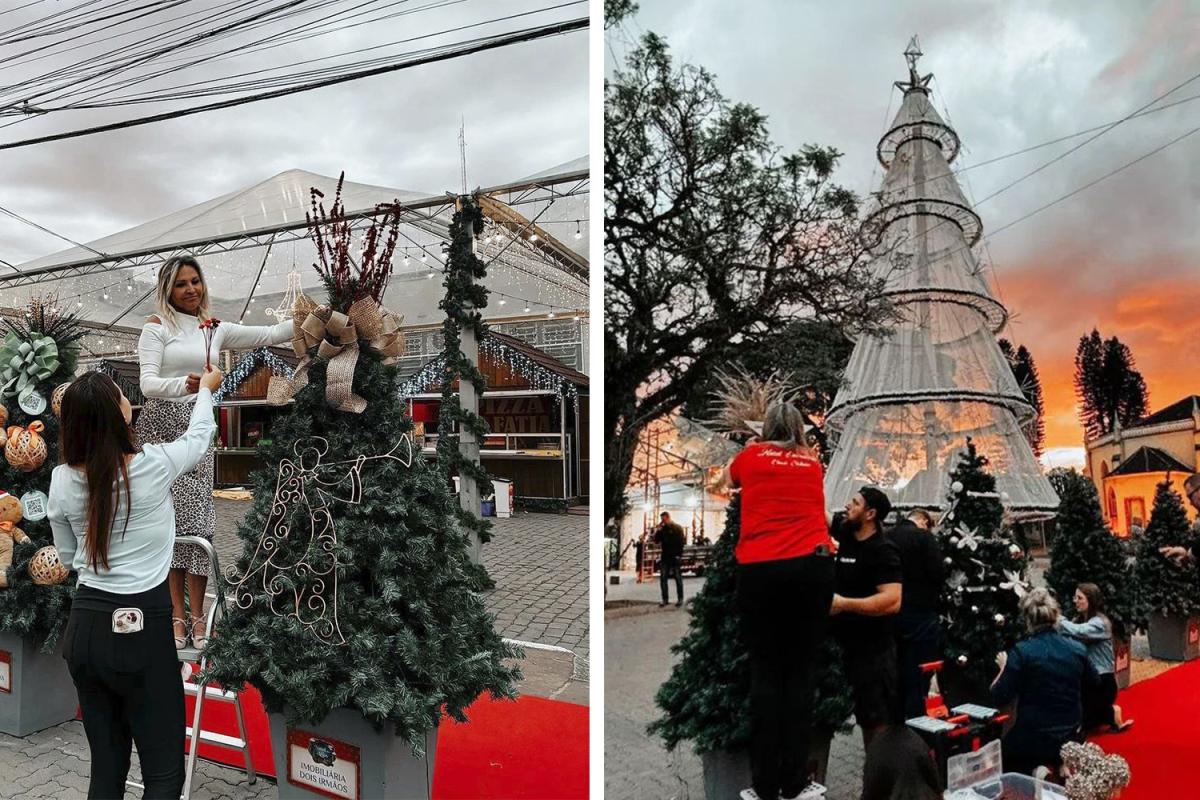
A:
130,691
668,567
874,681
785,614
1098,702
917,642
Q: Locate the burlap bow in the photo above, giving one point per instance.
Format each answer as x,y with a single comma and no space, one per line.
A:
336,336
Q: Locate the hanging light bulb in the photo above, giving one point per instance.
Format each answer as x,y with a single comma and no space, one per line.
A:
502,301
550,315
526,309
533,237
578,229
406,257
424,256
79,304
430,275
106,295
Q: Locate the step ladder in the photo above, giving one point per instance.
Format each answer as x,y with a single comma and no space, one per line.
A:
200,689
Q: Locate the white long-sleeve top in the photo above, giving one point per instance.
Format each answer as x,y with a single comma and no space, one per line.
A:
166,355
139,553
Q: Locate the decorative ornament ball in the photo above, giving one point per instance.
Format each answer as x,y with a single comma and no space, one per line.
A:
956,487
32,404
26,449
947,560
953,540
974,609
999,619
962,661
958,590
1004,496
56,398
45,568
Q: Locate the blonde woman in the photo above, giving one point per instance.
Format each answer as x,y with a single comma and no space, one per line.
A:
171,352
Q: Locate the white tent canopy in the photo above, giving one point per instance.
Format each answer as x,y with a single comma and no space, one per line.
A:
250,239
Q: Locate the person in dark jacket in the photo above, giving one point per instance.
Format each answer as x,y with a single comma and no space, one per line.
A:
917,631
899,767
1045,673
671,538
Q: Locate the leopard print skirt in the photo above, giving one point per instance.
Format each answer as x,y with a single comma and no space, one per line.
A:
163,421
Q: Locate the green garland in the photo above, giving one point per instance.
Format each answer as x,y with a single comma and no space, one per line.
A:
464,302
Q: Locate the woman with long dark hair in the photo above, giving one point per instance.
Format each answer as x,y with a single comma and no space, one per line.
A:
1093,629
171,356
113,520
784,591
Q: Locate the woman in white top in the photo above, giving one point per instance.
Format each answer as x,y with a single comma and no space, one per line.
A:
113,522
171,353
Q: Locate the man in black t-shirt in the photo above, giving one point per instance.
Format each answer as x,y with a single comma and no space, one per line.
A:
671,538
918,634
867,596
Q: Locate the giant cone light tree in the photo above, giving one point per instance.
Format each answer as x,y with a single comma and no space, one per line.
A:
45,343
912,396
985,569
354,588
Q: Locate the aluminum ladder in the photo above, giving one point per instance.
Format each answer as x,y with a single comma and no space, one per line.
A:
202,691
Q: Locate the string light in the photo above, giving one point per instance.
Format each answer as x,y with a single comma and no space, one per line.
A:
578,230
538,376
533,237
502,301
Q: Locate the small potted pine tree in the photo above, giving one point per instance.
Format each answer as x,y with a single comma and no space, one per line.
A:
39,353
356,609
1084,550
1170,598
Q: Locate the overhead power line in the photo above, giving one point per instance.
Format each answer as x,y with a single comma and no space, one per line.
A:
492,43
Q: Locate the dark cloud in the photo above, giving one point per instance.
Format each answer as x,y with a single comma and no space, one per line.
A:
1009,75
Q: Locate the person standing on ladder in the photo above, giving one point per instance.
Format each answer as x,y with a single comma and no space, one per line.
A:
172,353
117,644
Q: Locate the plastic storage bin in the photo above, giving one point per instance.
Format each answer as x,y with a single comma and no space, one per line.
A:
1010,786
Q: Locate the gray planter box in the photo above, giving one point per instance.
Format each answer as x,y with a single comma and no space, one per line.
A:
42,695
387,768
1122,659
1174,638
725,774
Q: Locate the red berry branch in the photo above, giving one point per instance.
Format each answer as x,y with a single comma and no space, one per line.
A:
209,329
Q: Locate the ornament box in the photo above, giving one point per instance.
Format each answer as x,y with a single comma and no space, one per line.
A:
36,691
1174,638
345,758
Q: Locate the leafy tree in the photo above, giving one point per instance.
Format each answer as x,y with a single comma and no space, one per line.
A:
1084,550
1108,387
713,243
1020,361
985,569
617,10
1167,588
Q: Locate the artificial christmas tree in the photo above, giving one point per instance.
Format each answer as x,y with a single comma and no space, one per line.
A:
39,353
1170,600
985,582
354,601
706,700
1084,550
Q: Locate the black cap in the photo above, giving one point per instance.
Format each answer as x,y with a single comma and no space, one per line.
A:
876,499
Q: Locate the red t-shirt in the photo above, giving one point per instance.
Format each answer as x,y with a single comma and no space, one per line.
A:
783,503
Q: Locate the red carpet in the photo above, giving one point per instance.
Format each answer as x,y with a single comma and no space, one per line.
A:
531,749
1163,747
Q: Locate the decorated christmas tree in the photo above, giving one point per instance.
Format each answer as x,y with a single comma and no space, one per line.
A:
1167,588
1084,550
354,588
985,569
38,354
706,700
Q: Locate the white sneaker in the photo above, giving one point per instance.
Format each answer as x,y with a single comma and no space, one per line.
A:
1041,773
814,791
749,794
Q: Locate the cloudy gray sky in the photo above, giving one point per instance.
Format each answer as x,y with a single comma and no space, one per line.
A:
1008,75
526,109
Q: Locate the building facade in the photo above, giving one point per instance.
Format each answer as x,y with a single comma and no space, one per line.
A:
1127,464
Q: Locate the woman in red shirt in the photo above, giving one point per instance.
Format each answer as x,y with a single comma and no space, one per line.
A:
785,588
